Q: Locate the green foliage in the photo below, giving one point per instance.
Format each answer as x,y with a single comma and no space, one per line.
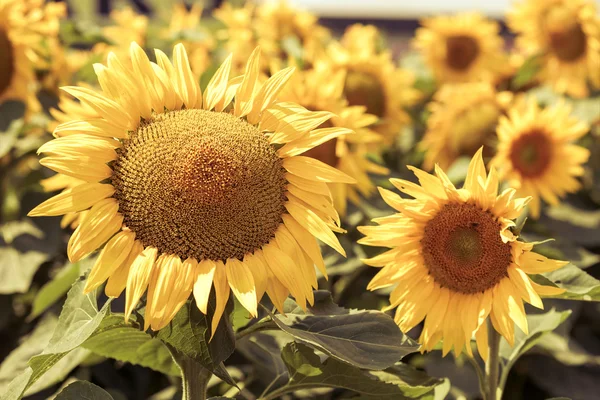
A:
83,390
579,284
17,269
11,230
55,289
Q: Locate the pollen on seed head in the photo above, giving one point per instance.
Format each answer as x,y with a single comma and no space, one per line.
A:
463,250
200,184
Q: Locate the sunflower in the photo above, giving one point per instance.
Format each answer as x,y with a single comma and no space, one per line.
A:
238,35
373,81
454,260
536,154
463,118
126,26
567,34
190,190
25,26
320,89
464,47
359,39
184,28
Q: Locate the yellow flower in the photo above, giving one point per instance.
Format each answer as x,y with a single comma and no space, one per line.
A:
25,26
185,28
363,39
567,34
536,154
189,190
373,81
463,118
320,89
127,26
238,35
464,47
454,261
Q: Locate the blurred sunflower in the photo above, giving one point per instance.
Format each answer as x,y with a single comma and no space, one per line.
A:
238,34
536,154
359,39
25,27
184,28
320,89
373,81
126,26
463,118
192,190
454,260
567,34
464,47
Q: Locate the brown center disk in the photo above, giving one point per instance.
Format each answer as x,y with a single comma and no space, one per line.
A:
463,250
363,89
7,67
461,51
570,44
200,184
324,152
531,154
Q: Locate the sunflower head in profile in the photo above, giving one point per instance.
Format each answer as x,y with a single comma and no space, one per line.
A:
463,118
464,47
454,261
27,27
186,191
567,35
321,89
536,153
374,82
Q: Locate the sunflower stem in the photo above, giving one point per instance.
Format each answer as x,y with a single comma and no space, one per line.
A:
492,366
194,379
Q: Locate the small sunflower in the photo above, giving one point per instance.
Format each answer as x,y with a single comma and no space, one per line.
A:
25,25
189,190
373,81
320,89
454,260
464,47
363,39
463,118
126,26
567,34
238,34
536,153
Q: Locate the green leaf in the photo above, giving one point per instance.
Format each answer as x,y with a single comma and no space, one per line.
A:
580,225
412,382
55,289
81,390
366,339
566,351
189,334
17,269
77,322
14,229
125,342
263,350
539,325
578,283
526,74
306,371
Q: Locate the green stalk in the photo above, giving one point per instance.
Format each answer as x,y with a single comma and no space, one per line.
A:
194,379
493,391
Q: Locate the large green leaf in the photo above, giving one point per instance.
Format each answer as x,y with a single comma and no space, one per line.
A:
82,390
126,342
13,229
17,269
539,325
189,334
579,284
78,320
307,371
366,339
54,289
263,350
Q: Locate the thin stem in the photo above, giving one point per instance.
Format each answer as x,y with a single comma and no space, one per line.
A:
479,371
194,379
492,366
267,325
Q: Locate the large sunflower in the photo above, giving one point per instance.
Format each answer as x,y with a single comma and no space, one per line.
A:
373,81
463,118
567,34
464,47
25,26
454,260
320,89
191,190
536,153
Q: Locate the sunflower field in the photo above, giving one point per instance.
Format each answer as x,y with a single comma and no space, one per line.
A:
250,200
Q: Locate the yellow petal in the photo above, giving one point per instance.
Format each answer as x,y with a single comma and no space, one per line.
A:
241,283
217,86
117,282
307,242
76,199
111,257
187,86
204,281
137,280
534,263
222,295
108,109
